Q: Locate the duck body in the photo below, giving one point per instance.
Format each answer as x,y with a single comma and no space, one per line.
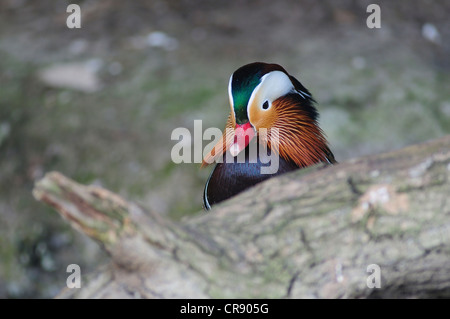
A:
270,109
230,177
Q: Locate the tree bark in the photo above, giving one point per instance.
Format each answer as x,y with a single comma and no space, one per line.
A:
308,234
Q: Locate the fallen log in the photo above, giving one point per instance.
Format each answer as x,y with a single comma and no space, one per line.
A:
377,226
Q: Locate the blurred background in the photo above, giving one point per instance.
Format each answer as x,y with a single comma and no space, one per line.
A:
99,103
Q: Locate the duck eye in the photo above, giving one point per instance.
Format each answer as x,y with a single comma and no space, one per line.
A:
265,105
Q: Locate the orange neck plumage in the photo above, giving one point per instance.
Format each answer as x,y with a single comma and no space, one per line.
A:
300,139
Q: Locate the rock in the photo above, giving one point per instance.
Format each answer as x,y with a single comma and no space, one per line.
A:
156,39
80,76
431,33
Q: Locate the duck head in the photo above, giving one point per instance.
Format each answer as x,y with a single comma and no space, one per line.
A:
264,96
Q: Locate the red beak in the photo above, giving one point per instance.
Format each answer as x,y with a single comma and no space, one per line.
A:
243,134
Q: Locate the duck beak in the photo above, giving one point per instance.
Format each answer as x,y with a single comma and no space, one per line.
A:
243,134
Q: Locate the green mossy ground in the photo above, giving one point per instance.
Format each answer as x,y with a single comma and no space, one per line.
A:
377,90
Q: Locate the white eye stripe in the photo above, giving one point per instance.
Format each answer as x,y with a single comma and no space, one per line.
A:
230,92
302,94
230,95
272,86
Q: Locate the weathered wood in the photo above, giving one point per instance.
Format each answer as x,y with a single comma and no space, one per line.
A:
310,233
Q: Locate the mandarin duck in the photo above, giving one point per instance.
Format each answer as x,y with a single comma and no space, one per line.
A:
262,97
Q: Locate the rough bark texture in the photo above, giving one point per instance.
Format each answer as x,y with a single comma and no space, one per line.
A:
310,233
